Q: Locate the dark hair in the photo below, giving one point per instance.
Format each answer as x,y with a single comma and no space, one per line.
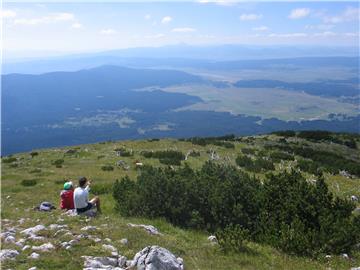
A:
82,181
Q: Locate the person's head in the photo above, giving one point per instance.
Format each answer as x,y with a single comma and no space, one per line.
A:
68,185
82,181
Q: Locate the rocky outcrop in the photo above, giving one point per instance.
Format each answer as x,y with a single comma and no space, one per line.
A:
156,258
6,254
148,228
99,263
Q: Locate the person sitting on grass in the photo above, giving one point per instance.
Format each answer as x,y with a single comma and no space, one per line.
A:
67,196
81,197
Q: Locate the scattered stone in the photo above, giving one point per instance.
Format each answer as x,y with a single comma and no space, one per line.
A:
68,247
34,256
109,247
44,247
149,228
26,247
124,241
89,228
122,260
6,254
327,256
345,256
355,268
57,226
345,174
21,221
33,268
107,240
68,234
61,231
10,239
21,242
73,242
354,198
64,244
155,257
212,239
95,239
33,230
99,262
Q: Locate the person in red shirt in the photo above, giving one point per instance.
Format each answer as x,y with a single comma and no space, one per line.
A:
67,196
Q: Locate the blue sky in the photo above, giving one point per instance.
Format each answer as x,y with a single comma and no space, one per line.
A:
84,27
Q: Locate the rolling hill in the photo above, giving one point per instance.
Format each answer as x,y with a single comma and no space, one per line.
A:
32,177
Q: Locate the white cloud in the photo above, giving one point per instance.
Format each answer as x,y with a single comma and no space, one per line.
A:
155,36
250,17
108,31
351,34
219,2
320,26
183,30
147,17
349,14
261,28
325,34
288,35
299,13
7,13
76,25
52,18
166,19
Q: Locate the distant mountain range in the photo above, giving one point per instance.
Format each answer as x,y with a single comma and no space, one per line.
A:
208,57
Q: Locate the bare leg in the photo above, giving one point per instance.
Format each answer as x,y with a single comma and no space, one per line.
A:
96,201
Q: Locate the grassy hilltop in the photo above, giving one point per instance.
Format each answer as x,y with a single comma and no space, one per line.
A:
33,177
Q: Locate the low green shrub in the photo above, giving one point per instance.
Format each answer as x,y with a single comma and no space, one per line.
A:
107,168
8,160
104,188
232,238
34,154
29,182
58,163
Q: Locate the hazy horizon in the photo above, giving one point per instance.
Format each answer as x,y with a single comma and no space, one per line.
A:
42,30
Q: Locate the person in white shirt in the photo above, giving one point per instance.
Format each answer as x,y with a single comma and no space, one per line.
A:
81,197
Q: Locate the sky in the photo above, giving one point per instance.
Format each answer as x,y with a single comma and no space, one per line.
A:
32,28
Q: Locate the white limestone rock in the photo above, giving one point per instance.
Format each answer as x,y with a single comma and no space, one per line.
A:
156,258
150,229
8,254
44,247
33,230
34,256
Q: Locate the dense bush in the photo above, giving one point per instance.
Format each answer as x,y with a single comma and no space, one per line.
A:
248,151
232,238
58,163
305,219
277,156
168,157
123,152
29,182
285,133
107,168
329,161
211,198
34,154
220,141
228,145
285,212
257,165
315,135
104,188
8,160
